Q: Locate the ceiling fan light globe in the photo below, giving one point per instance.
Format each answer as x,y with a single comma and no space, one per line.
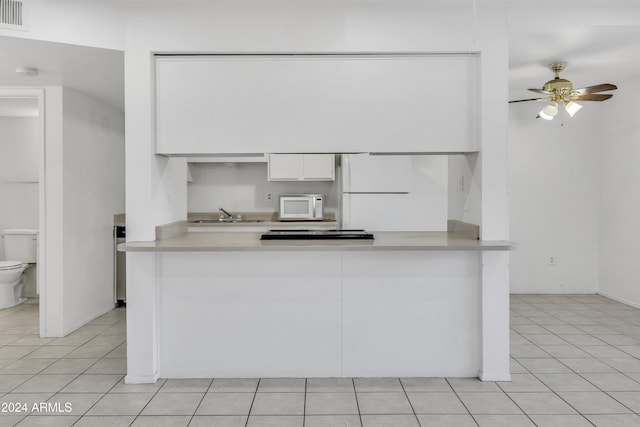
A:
544,115
551,109
572,108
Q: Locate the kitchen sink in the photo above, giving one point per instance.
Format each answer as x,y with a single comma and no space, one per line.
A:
224,221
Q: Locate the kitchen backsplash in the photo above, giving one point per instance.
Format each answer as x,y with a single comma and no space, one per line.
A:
244,187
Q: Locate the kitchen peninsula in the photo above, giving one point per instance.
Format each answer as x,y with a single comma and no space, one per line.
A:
404,304
219,304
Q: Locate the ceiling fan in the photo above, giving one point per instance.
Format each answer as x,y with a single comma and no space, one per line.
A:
560,91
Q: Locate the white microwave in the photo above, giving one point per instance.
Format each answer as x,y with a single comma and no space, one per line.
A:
301,207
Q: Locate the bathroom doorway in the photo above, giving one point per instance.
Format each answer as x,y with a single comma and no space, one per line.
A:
22,177
80,93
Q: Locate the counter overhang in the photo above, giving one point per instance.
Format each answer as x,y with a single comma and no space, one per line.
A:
384,241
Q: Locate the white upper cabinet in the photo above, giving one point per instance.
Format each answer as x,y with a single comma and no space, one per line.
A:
284,167
315,103
301,167
246,104
318,167
423,103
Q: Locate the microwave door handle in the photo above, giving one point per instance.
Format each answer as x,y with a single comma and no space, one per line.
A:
313,207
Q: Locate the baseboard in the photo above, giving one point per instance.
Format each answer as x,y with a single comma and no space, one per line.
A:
494,376
141,379
619,299
552,293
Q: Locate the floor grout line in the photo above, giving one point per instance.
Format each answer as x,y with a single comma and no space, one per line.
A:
535,318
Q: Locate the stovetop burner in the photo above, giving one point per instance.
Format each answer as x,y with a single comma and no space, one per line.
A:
316,235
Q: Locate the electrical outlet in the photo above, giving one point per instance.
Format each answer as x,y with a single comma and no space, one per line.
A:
268,197
552,260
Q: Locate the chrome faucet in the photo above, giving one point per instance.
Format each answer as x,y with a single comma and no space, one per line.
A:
229,216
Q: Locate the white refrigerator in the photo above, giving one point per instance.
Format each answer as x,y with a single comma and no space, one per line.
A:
376,192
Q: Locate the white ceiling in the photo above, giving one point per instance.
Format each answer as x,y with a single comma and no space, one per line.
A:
592,57
99,73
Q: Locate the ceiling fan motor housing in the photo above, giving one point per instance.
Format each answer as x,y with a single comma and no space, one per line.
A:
560,89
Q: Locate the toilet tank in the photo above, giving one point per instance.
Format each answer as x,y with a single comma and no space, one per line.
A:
20,244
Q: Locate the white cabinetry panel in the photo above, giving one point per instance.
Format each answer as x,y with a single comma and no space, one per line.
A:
301,167
318,167
423,103
316,103
284,167
378,314
271,320
245,103
424,324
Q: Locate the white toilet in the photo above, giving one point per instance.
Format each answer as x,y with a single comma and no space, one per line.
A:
20,247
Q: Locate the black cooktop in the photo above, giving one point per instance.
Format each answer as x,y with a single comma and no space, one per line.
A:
316,235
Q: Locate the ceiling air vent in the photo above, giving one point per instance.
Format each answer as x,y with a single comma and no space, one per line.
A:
12,14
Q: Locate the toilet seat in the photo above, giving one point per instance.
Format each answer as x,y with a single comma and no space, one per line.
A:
10,265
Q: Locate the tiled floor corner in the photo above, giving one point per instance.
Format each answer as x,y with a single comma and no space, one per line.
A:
575,362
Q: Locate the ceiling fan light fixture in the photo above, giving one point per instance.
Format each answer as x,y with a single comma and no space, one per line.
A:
572,108
561,91
542,115
549,111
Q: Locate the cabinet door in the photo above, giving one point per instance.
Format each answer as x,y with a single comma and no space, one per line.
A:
316,103
284,167
246,104
301,167
318,167
409,103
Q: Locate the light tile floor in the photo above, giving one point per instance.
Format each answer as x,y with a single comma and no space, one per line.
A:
575,362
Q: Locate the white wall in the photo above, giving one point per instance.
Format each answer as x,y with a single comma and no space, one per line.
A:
83,174
19,161
554,183
93,191
464,189
51,217
620,196
242,188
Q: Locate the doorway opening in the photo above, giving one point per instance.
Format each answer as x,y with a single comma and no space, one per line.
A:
22,189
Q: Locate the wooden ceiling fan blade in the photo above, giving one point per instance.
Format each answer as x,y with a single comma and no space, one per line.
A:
525,100
542,91
597,88
594,97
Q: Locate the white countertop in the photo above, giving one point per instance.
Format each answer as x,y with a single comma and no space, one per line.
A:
384,241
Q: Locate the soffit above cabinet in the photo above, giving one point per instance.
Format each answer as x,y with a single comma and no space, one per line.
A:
316,103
